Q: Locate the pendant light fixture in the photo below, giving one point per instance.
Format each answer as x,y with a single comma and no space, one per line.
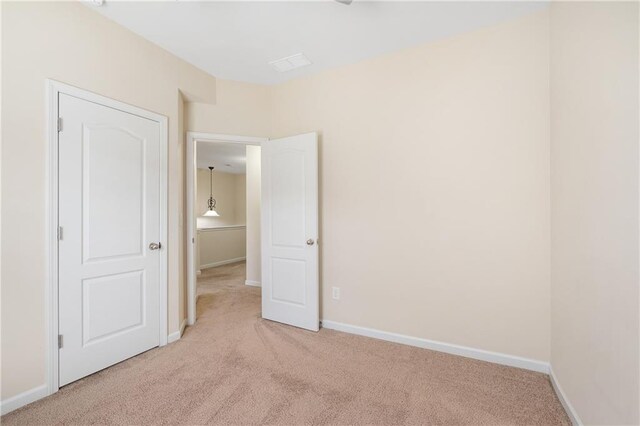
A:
211,204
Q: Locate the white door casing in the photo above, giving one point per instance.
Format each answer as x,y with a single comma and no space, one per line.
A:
109,212
290,281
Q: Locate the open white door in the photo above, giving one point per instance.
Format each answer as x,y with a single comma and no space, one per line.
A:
290,288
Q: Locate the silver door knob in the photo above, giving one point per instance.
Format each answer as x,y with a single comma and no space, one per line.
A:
310,242
155,246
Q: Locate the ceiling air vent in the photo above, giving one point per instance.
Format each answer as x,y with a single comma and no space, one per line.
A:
290,62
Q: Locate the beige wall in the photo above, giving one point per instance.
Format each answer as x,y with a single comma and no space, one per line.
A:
435,187
241,109
594,209
68,42
254,250
230,195
219,246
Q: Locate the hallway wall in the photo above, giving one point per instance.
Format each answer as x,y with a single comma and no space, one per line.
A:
219,246
229,191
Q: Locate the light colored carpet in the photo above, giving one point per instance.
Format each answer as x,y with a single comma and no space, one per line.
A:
233,367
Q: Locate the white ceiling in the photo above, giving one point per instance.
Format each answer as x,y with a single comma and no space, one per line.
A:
236,39
225,157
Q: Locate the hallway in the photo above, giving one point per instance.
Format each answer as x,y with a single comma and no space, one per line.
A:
221,279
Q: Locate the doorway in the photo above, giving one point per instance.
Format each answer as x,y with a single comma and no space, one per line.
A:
288,226
223,210
227,212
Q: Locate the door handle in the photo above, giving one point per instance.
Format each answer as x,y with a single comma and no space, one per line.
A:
155,246
310,242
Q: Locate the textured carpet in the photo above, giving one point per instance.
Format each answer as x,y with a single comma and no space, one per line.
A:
232,367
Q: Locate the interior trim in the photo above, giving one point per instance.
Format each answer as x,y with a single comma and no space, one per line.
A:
222,262
23,399
176,335
571,412
450,348
222,228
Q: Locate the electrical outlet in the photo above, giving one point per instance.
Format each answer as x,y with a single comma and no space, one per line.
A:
335,293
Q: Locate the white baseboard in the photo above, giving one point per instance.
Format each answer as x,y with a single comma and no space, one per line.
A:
571,412
222,262
23,399
253,283
495,357
178,334
173,337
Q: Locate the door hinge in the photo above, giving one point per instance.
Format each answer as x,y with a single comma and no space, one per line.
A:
60,341
59,124
60,233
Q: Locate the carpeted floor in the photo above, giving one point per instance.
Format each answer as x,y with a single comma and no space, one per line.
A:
232,367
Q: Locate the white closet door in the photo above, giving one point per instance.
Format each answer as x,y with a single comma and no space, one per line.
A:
109,214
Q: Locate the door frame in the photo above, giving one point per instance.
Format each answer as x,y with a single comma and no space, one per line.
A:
191,169
53,89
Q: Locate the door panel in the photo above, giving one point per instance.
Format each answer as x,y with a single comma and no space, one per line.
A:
288,203
113,304
113,186
109,212
286,276
290,284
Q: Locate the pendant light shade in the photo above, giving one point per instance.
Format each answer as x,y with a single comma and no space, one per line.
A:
211,204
